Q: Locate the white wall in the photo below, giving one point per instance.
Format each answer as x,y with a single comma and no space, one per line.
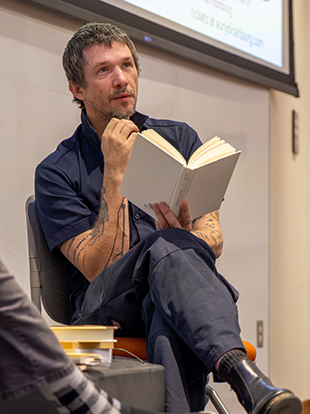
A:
290,225
35,112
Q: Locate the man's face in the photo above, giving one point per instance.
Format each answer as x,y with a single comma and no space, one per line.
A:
111,82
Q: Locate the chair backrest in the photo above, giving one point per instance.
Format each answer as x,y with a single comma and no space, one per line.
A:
48,272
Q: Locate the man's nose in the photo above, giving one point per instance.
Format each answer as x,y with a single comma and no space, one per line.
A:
119,78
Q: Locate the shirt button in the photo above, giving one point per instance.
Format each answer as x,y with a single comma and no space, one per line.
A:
137,216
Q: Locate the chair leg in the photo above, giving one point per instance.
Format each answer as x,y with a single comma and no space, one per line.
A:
213,396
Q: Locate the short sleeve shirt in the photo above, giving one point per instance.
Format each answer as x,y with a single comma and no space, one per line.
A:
68,184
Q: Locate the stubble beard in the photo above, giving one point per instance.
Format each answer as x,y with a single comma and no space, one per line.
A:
122,113
127,110
105,112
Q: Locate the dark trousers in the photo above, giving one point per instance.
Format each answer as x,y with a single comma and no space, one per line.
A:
168,288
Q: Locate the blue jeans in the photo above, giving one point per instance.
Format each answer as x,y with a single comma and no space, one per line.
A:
168,288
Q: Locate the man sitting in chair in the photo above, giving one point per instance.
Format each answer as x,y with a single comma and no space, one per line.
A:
154,278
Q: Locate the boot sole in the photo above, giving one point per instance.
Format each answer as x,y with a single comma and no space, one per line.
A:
285,403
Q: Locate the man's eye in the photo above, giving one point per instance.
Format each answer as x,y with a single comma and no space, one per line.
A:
102,70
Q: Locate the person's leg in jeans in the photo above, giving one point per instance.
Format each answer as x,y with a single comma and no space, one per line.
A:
177,271
31,358
185,373
195,310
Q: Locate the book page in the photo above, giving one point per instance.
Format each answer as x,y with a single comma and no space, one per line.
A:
211,156
213,149
212,143
158,140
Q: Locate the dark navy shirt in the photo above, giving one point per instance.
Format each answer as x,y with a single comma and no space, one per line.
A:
68,186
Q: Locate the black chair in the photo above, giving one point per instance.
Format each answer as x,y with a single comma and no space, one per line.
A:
48,275
48,271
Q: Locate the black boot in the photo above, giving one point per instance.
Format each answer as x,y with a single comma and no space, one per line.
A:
256,392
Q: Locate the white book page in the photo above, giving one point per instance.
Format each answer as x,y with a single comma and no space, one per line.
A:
158,140
211,150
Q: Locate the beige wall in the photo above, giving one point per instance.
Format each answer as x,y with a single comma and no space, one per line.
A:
35,110
290,224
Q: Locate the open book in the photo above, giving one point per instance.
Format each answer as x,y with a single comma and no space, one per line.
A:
157,172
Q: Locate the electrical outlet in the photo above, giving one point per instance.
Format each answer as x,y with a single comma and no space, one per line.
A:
260,334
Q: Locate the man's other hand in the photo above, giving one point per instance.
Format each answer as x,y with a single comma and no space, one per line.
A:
166,219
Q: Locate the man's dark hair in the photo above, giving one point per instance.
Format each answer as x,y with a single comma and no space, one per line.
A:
88,35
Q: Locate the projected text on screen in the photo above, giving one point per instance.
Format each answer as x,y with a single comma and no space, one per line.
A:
251,26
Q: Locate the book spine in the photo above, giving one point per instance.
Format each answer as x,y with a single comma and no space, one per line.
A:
180,190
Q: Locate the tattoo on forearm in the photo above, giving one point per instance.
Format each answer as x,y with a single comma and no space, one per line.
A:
103,217
196,219
69,247
208,238
77,252
210,232
123,207
215,215
74,251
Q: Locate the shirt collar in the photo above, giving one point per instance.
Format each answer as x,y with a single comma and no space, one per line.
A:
139,119
89,131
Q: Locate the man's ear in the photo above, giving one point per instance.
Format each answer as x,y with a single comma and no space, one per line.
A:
77,91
